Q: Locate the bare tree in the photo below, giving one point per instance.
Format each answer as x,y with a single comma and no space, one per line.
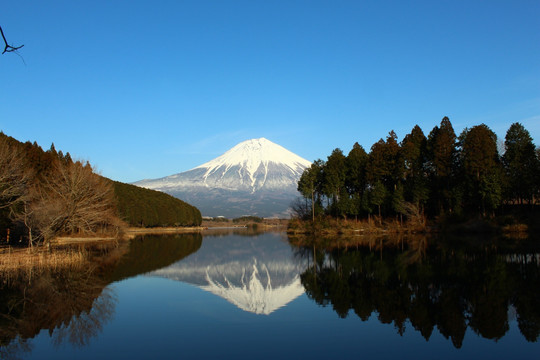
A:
14,177
74,200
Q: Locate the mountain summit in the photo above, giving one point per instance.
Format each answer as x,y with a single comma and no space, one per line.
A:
255,177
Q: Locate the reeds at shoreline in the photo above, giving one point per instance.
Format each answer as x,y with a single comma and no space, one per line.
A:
27,262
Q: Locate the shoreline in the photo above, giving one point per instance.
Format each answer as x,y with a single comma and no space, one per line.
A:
134,231
340,227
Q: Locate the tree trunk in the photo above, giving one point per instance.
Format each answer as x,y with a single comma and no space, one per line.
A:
313,205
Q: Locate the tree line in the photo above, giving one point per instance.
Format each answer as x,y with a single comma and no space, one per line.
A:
45,194
441,174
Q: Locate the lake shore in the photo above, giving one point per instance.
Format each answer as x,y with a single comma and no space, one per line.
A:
131,232
326,226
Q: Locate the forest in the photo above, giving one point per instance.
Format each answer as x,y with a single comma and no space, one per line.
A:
46,194
437,176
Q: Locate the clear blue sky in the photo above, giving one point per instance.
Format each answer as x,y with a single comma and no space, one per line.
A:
145,89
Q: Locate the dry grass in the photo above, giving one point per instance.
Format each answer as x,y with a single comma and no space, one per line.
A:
131,232
16,262
328,226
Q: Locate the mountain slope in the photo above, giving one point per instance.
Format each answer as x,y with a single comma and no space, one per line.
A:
255,177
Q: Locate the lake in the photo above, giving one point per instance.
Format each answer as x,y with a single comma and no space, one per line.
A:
249,295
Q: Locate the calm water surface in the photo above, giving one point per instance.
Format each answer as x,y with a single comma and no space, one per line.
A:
253,296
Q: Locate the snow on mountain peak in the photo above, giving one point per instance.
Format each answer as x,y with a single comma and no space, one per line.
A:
254,155
250,154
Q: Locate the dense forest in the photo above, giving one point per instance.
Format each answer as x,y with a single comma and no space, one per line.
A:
441,175
44,194
150,208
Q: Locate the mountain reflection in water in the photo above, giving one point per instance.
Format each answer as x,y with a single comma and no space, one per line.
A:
447,289
257,273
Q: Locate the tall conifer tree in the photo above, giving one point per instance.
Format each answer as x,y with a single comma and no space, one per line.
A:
520,164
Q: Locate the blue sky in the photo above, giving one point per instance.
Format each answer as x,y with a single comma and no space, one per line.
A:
145,89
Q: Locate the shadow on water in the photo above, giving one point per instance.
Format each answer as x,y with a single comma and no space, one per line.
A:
72,305
447,286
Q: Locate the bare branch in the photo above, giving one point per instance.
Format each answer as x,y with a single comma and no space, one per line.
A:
14,177
7,47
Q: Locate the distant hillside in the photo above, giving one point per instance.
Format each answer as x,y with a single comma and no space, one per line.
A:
144,207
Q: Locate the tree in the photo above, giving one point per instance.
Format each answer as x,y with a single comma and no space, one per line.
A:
384,163
480,161
378,195
377,169
393,160
355,180
413,152
334,173
74,200
308,184
441,153
520,164
14,177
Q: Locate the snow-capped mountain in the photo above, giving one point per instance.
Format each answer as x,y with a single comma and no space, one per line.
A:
257,275
255,177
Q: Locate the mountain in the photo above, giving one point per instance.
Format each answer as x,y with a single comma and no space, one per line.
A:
257,275
256,177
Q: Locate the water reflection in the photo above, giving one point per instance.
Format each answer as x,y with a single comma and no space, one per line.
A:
451,290
72,305
257,273
448,289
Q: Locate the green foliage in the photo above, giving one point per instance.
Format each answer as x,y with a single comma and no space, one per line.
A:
150,208
309,185
481,168
441,166
356,169
521,164
378,195
437,176
414,157
334,177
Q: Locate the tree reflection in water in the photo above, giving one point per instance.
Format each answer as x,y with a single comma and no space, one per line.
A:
402,279
75,305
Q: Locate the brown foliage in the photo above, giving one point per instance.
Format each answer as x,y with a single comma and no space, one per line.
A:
74,200
14,177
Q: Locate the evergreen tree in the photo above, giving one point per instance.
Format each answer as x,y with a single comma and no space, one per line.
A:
481,166
334,179
355,180
441,146
393,160
413,152
376,165
520,164
378,195
308,184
